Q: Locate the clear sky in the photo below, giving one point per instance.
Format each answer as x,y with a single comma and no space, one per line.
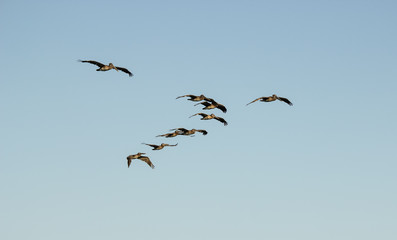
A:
324,168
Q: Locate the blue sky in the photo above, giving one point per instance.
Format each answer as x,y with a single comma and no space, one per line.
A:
322,169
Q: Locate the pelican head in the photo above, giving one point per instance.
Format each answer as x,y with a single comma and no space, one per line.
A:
112,66
274,95
212,115
141,153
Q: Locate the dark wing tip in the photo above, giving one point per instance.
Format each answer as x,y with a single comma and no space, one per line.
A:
125,70
222,108
286,101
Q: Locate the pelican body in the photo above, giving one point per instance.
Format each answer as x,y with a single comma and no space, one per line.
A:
272,98
195,98
211,116
186,132
161,146
140,157
212,104
169,135
110,66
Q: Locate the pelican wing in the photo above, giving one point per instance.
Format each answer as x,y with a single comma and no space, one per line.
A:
146,160
189,95
179,129
264,98
168,135
152,145
204,132
170,145
285,100
129,160
125,70
203,103
201,114
221,120
222,108
211,100
93,62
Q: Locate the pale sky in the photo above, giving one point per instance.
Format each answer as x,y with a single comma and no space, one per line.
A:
324,168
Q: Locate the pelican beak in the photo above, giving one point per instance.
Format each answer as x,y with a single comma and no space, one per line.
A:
114,67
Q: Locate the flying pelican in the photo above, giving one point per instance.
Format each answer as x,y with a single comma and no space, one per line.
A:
184,131
168,135
272,98
212,116
139,156
194,98
159,147
211,105
103,67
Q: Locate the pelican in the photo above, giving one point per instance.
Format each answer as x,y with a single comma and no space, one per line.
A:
272,98
211,105
168,135
194,98
212,116
159,147
139,156
184,131
103,67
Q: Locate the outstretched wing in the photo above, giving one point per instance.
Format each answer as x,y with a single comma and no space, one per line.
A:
210,100
129,159
204,132
221,107
92,62
264,98
203,103
285,100
146,160
179,129
186,96
152,145
201,114
221,120
125,70
170,145
168,135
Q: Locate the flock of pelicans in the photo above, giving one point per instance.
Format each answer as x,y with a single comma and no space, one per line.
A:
208,104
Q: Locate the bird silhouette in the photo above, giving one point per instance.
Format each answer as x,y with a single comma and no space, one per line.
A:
140,157
186,132
161,146
103,67
272,98
211,116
